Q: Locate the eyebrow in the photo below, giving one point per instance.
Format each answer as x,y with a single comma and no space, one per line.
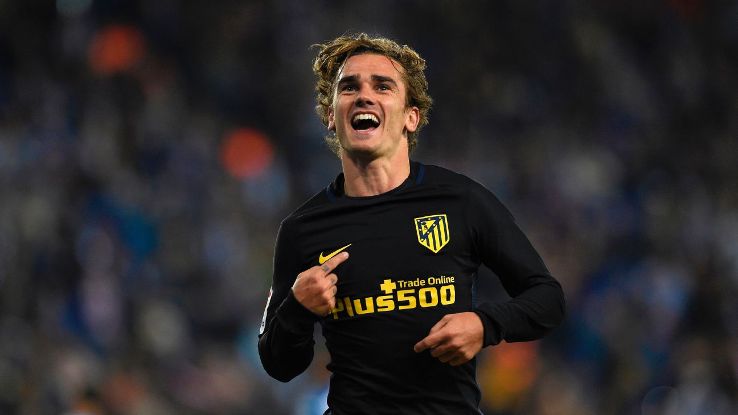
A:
381,78
355,78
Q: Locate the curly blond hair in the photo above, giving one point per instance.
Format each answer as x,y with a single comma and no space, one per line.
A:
333,54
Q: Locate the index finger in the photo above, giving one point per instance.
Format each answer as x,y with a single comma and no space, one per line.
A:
428,342
433,338
332,263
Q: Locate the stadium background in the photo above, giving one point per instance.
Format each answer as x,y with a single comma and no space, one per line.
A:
148,151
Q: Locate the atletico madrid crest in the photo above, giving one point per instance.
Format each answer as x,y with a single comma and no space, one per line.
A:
432,231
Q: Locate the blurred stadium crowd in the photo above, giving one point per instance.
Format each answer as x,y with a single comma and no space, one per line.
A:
149,149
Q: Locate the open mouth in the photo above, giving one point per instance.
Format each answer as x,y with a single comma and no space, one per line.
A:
365,122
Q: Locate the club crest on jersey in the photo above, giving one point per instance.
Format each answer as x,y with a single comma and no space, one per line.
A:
433,231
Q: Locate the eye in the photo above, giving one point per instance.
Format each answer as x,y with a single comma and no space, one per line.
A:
348,88
383,87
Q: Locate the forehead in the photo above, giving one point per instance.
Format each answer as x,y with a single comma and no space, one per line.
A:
368,64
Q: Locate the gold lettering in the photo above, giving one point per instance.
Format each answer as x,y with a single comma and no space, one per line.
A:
362,310
428,296
406,295
440,280
412,283
423,297
385,303
337,309
349,308
448,294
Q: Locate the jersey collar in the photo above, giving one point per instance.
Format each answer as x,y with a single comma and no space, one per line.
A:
335,190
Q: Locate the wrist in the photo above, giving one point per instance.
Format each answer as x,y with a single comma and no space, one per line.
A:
294,316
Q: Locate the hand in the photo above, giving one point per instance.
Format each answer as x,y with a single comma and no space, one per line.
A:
455,339
316,289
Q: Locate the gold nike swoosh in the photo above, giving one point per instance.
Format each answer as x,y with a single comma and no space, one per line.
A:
322,259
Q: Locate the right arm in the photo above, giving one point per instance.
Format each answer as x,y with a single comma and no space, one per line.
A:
286,334
295,303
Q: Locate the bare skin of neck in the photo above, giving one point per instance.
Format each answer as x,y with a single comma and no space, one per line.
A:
368,176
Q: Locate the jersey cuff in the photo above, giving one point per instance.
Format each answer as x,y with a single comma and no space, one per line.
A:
492,331
295,317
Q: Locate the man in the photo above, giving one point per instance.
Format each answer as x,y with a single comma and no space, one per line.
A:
385,258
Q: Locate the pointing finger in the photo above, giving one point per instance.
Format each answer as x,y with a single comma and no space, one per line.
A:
332,263
428,342
420,346
439,325
432,339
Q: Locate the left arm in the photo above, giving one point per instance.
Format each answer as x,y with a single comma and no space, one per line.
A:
537,304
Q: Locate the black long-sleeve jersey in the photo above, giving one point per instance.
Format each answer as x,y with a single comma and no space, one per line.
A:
414,256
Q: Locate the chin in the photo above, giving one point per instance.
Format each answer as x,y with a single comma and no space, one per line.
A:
360,151
360,143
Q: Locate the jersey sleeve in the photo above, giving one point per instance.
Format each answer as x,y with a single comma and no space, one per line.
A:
537,301
286,334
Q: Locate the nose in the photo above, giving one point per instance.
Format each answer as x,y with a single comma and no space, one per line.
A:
364,97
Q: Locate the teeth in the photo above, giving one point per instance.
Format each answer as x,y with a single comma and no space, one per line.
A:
359,117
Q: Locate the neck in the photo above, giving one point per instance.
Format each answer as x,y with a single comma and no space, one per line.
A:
375,176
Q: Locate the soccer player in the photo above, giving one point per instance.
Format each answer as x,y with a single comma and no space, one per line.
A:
385,258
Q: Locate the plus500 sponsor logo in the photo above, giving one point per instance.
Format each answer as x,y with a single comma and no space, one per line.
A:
400,295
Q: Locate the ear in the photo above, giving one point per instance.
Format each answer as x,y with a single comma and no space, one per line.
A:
331,121
412,118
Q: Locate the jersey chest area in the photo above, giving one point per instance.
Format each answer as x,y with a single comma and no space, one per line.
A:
403,255
402,236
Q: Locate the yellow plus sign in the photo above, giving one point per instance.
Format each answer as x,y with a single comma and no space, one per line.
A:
387,286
